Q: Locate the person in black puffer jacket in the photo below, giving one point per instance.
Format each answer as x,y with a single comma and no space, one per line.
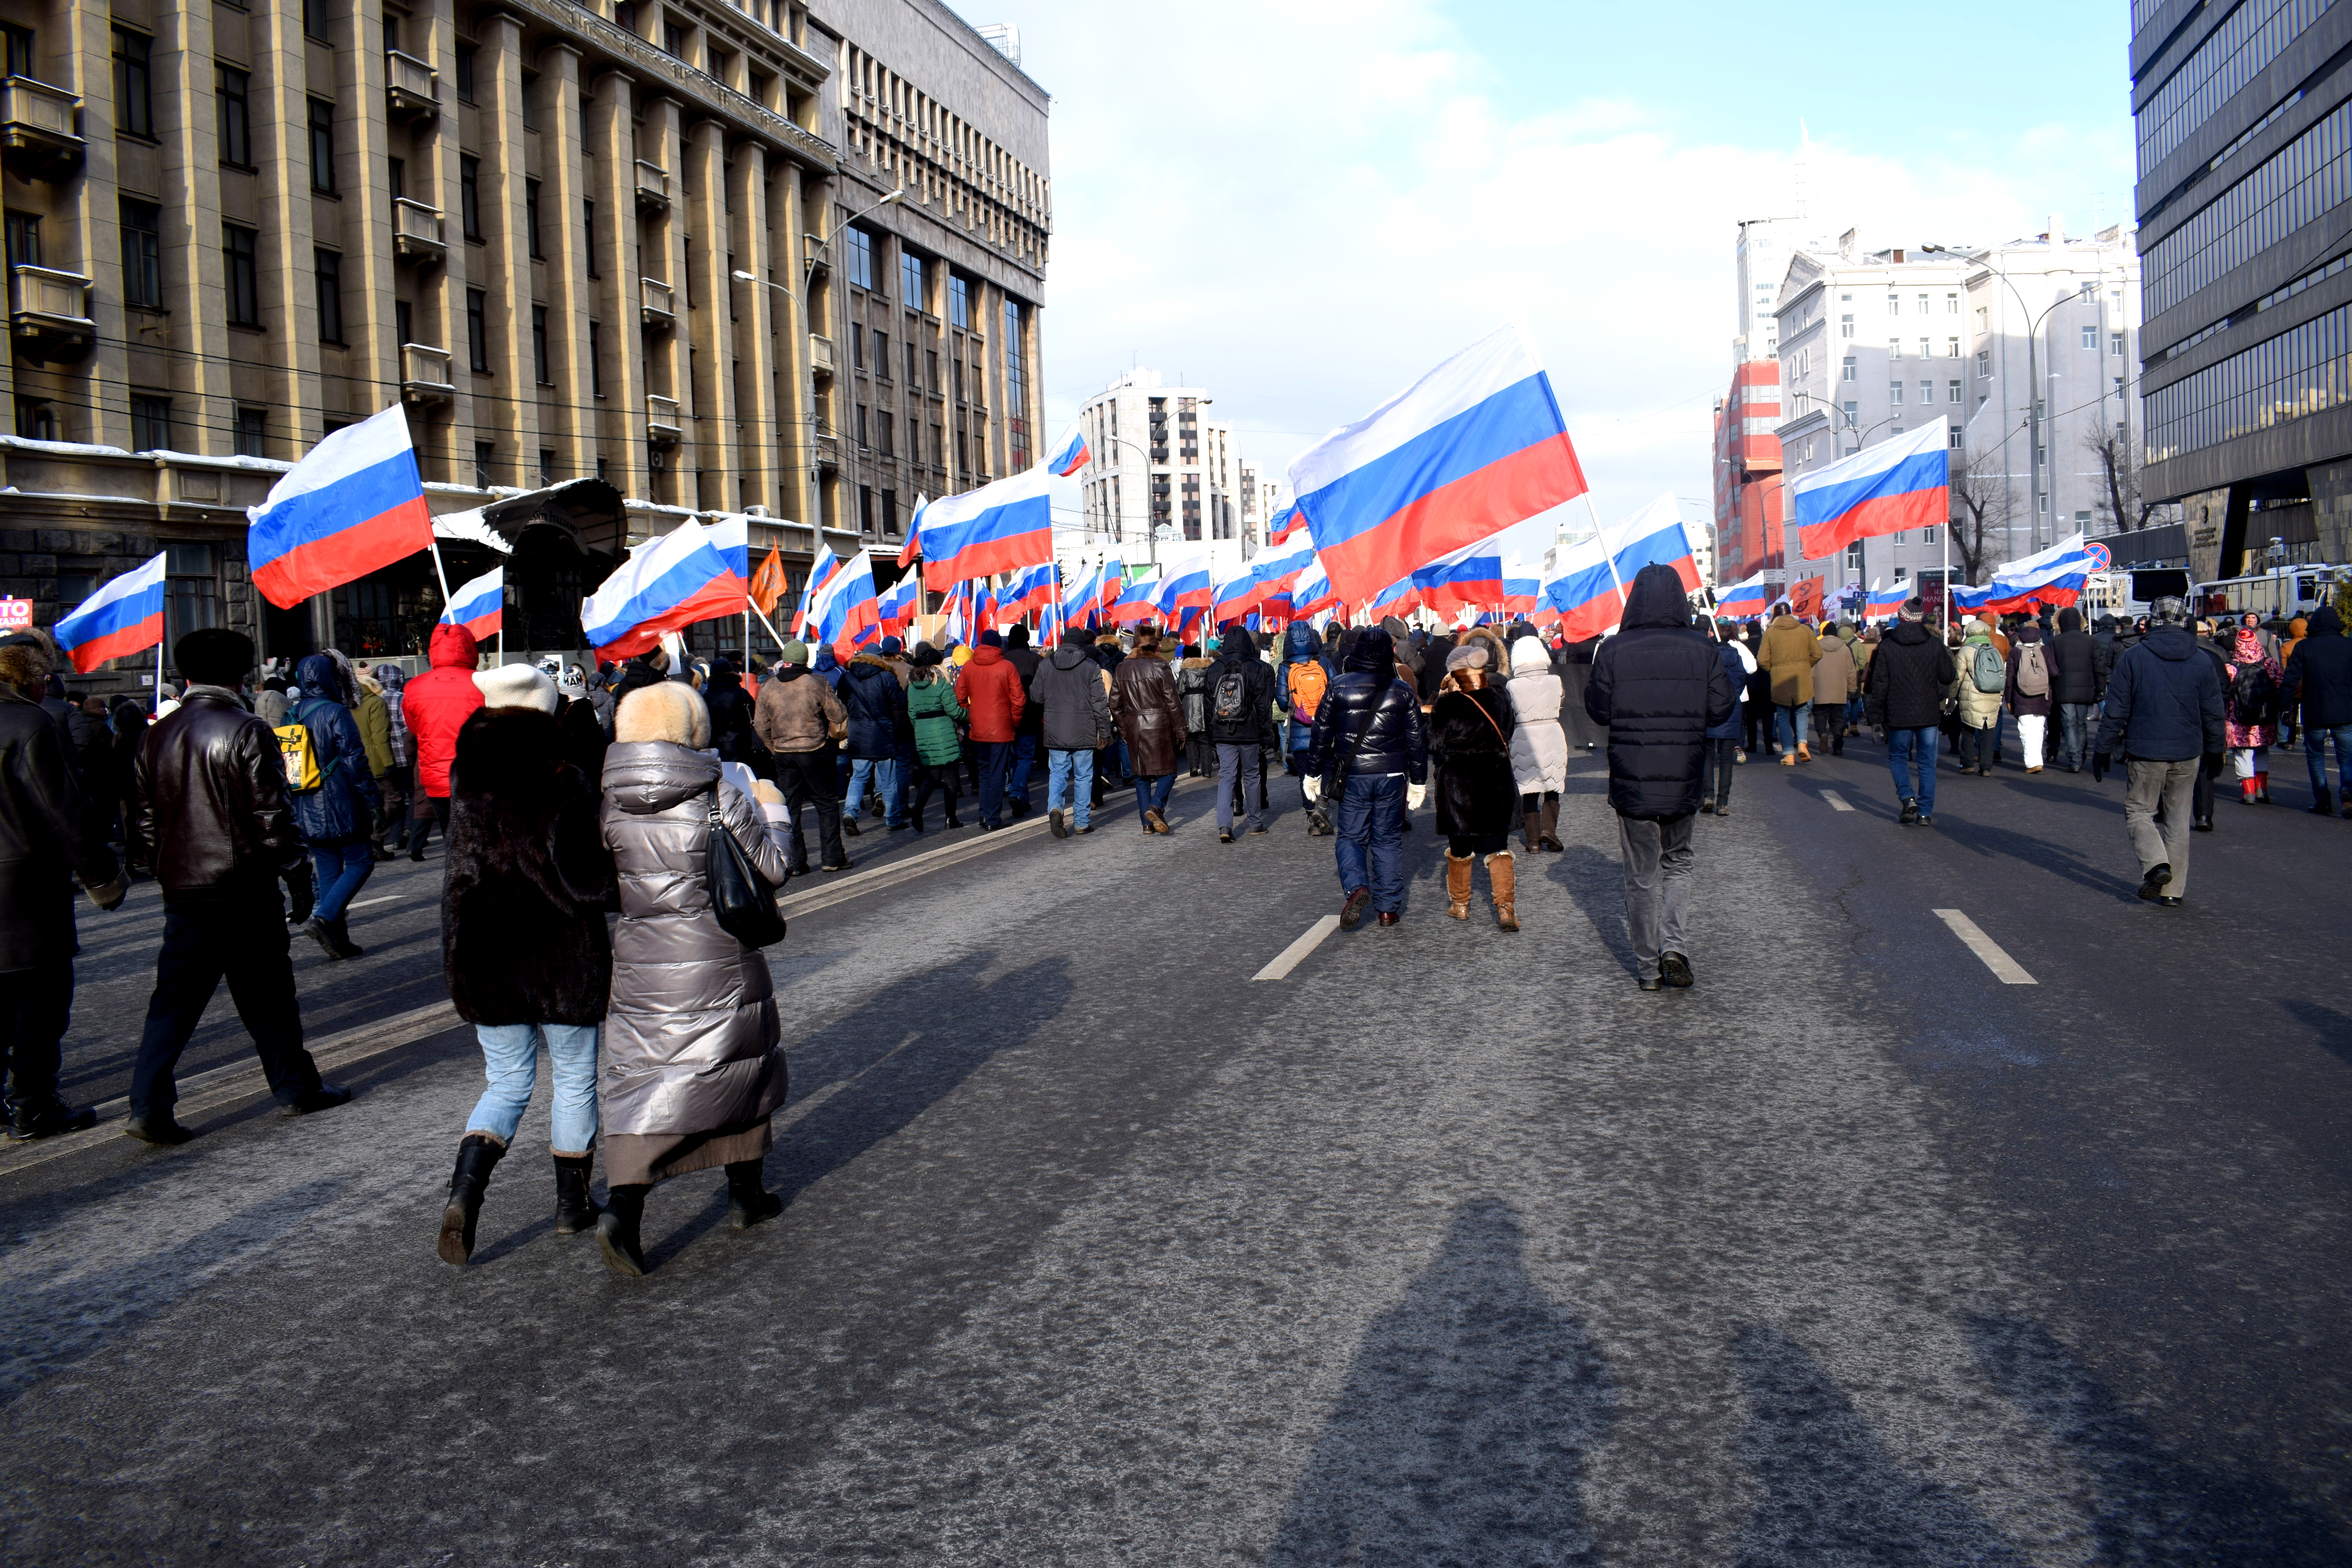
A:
1659,687
1369,735
2319,677
876,705
1071,696
1902,698
1470,727
1242,723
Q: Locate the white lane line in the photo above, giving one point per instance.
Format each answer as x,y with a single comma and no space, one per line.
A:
387,898
1837,800
1290,957
2005,969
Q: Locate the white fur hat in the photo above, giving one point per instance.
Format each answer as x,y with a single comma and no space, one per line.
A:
516,686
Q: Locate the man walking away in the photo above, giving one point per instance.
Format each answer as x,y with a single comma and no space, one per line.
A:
1071,693
875,705
1241,721
1369,746
1715,762
2164,714
437,704
1024,661
1304,678
48,838
2319,677
1150,718
1659,687
1836,678
1790,651
335,801
2079,681
1903,698
213,816
801,722
991,691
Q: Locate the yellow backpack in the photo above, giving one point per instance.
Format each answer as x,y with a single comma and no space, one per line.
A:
302,774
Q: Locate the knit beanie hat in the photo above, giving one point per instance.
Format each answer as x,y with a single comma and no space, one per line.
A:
516,686
991,638
795,652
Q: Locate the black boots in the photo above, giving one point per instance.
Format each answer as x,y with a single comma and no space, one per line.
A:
617,1229
477,1157
575,1210
747,1202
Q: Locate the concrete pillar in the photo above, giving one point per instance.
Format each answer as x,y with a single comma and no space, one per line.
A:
759,472
506,412
608,178
370,363
712,334
204,409
573,413
284,263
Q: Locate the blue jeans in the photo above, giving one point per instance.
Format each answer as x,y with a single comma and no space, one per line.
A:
1910,750
1792,722
511,1062
1151,792
1024,757
992,756
1371,843
2315,757
1068,773
340,870
2073,728
882,774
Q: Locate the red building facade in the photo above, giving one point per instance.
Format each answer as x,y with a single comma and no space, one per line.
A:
1748,507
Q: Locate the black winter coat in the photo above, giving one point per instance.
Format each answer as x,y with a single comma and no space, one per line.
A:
2164,703
2319,673
46,838
731,728
1025,662
1659,687
1397,741
1470,735
1908,677
522,908
1237,654
2079,676
876,704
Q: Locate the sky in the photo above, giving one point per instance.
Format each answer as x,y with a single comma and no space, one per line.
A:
1303,206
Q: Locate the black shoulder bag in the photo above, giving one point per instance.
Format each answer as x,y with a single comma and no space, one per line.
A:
1334,768
742,899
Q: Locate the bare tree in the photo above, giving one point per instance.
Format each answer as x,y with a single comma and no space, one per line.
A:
2126,507
1980,510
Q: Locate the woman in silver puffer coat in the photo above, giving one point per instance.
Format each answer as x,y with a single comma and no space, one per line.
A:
693,1066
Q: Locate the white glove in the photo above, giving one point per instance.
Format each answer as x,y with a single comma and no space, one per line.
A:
1311,786
1415,794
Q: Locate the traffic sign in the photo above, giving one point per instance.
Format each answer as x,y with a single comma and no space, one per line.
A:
2100,558
15,615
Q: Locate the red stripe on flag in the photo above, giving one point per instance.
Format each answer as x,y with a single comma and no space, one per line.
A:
1476,506
347,555
992,556
145,633
1884,514
718,599
486,624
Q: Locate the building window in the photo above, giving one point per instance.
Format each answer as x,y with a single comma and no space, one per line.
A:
1922,304
1846,372
914,377
24,239
477,329
861,257
856,346
883,423
1016,389
1895,348
539,344
911,282
1895,393
1984,361
484,454
192,583
2090,338
1952,391
1845,325
1927,348
2116,344
1927,534
235,121
151,424
881,356
890,511
465,63
546,466
959,301
931,358
133,115
1951,348
1895,304
243,289
1952,304
1926,393
529,96
35,420
862,442
530,218
596,359
469,197
588,229
330,296
322,145
20,49
252,432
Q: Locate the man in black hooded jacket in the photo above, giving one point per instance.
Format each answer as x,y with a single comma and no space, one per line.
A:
1903,697
1241,721
1658,687
2319,677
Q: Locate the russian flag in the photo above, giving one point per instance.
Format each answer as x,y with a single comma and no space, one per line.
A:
2056,577
353,503
819,572
1137,601
845,612
1964,597
1229,599
999,527
1114,581
699,572
123,616
1905,482
1885,602
913,547
1052,620
955,611
1744,601
1184,585
1070,456
1084,598
1396,599
1285,523
1465,580
1476,446
1519,594
1312,592
898,605
1031,591
1588,589
480,606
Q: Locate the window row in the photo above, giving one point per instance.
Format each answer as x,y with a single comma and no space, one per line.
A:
915,274
2304,369
2248,38
2303,179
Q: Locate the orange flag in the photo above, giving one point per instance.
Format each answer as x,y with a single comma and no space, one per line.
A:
1805,598
768,583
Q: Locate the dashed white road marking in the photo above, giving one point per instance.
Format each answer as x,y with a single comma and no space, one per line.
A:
2005,969
1290,957
1837,800
387,898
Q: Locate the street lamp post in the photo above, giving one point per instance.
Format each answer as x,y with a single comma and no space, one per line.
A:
1151,528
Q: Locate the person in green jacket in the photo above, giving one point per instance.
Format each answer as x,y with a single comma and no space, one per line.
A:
932,707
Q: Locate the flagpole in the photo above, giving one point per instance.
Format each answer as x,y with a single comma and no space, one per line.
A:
751,609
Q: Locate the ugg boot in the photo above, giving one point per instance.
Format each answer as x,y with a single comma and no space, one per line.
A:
477,1155
1503,882
1549,838
747,1202
1804,752
1530,829
1457,884
617,1229
575,1210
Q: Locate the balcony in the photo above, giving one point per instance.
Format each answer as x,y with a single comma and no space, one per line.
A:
654,302
815,251
663,427
39,139
416,231
828,448
652,188
48,312
820,354
411,89
424,374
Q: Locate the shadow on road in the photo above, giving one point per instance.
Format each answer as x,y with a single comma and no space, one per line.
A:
1462,1432
2333,1028
1597,882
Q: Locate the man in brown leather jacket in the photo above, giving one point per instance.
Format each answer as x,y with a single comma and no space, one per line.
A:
209,787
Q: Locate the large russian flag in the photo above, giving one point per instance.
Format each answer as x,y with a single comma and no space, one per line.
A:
124,616
1583,592
1137,601
2056,577
480,606
819,571
1312,592
1114,583
1184,585
1590,583
1469,579
353,503
1084,599
1885,602
1232,595
898,603
1070,456
699,572
999,527
845,612
1903,482
1743,600
1476,446
1030,591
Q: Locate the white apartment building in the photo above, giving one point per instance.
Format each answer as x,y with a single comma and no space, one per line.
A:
1261,498
1163,476
1876,342
1761,259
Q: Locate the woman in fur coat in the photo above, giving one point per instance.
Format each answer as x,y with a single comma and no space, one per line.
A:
693,1063
522,939
1470,729
1538,745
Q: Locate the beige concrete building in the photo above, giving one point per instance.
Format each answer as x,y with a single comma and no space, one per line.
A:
621,262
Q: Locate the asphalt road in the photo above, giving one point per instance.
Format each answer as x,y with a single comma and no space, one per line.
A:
1450,1246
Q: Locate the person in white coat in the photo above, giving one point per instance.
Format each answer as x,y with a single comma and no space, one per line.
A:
1538,745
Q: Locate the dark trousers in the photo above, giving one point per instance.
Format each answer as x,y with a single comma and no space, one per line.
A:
994,757
240,937
36,1005
1024,757
808,778
2073,728
1371,842
428,810
1151,795
391,816
339,870
1715,764
940,777
1980,749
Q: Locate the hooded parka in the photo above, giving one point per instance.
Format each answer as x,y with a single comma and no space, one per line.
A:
438,703
345,805
1658,686
1538,743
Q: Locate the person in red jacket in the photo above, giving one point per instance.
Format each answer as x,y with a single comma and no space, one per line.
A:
436,705
989,690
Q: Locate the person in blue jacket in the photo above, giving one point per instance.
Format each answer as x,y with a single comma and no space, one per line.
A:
334,818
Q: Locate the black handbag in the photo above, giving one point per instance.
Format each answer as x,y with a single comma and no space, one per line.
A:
742,899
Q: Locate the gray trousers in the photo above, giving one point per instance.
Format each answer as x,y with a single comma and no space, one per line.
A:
1657,854
2173,785
1246,764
